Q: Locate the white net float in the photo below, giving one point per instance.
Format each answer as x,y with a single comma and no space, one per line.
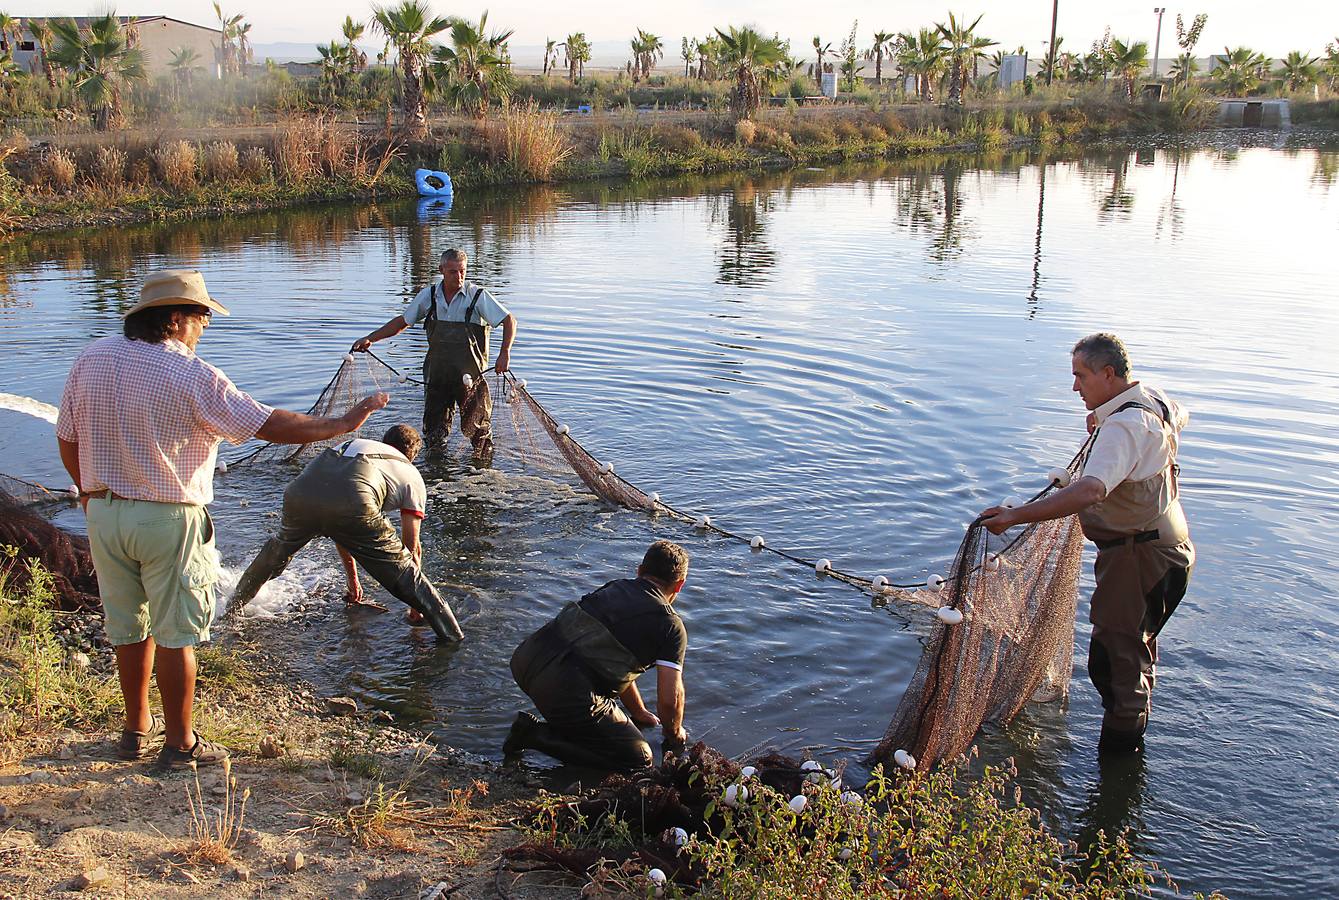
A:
521,383
949,616
702,522
991,562
678,837
748,772
735,794
348,357
467,379
657,876
852,799
1058,476
904,759
606,468
221,467
811,765
562,429
823,566
404,379
844,854
757,543
1010,502
73,491
935,583
879,584
798,803
655,498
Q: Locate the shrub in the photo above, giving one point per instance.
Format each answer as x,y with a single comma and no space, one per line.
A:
219,161
746,131
890,122
335,148
846,130
812,133
256,166
176,165
9,193
139,172
535,145
295,150
873,133
677,138
774,139
59,170
109,167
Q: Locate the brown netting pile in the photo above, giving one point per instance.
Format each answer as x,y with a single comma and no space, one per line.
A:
64,555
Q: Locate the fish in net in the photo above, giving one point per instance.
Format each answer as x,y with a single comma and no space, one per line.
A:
1004,637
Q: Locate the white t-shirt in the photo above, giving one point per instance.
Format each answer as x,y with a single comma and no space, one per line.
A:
405,489
487,312
1134,445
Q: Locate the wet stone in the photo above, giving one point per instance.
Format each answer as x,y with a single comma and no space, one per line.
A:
341,706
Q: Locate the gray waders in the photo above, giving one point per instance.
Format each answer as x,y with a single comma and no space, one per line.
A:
456,349
1144,561
574,669
340,497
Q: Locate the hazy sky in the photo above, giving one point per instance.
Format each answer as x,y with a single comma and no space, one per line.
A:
1273,28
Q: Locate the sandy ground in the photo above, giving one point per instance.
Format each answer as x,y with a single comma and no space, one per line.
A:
348,808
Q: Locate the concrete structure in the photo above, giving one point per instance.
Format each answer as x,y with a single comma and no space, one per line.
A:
1013,69
156,36
1260,113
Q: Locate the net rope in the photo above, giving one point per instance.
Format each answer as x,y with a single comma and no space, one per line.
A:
1003,634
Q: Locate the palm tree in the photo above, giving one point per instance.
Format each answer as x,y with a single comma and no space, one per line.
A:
11,73
102,64
923,55
646,48
750,55
577,50
1299,71
882,46
352,31
409,26
1332,63
821,49
245,52
1240,69
549,51
11,32
1184,68
183,64
227,49
334,65
1127,61
42,36
964,47
473,70
688,51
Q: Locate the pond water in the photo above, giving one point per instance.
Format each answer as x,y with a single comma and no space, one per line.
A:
851,362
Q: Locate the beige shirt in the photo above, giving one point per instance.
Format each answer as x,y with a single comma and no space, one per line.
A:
1133,445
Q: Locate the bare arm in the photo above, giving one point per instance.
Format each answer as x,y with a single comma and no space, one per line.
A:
670,702
69,457
350,574
390,329
1065,502
409,531
508,337
286,427
637,711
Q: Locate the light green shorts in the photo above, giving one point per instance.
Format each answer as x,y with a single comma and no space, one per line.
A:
156,566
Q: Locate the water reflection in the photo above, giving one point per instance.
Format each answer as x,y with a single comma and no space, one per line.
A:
1118,202
745,258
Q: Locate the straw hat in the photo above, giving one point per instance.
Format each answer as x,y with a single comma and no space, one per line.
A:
175,287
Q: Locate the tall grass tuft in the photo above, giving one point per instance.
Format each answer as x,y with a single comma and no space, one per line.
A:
745,131
296,150
176,164
59,170
219,161
336,149
109,168
9,193
215,830
534,144
256,166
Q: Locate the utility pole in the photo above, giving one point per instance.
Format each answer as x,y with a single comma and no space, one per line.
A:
1050,55
1157,41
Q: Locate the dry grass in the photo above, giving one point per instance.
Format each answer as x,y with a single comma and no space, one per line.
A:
59,170
219,161
295,150
214,830
336,149
256,166
109,168
533,143
176,165
676,138
745,131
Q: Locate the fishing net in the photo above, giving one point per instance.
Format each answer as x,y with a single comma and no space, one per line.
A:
1003,634
65,556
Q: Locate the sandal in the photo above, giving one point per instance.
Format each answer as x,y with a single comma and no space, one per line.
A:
202,753
136,744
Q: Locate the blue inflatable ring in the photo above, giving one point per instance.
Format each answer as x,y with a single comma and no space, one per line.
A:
433,184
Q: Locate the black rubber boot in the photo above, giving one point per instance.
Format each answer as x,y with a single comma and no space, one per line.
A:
417,593
1122,738
518,738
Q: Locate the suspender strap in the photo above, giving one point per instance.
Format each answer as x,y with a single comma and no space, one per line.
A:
432,304
1134,404
469,313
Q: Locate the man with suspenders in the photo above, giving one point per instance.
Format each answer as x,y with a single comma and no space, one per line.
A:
457,316
1128,503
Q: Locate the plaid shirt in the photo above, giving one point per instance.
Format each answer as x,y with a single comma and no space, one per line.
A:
148,419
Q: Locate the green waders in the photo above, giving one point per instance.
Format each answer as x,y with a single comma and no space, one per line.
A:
574,669
456,349
340,497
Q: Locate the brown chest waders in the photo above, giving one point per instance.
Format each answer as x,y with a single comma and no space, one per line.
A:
340,497
456,349
1144,561
574,669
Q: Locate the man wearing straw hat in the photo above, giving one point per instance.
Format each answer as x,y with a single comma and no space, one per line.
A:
457,316
1128,503
140,422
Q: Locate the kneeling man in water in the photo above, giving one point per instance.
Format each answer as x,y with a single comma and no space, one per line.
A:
590,655
1128,504
343,494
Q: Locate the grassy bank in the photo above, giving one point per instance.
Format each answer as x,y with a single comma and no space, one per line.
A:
136,176
323,801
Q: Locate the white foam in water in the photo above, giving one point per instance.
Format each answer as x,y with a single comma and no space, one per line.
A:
29,406
279,595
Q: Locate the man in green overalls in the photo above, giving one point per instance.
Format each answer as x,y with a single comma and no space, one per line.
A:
1128,503
457,316
578,666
